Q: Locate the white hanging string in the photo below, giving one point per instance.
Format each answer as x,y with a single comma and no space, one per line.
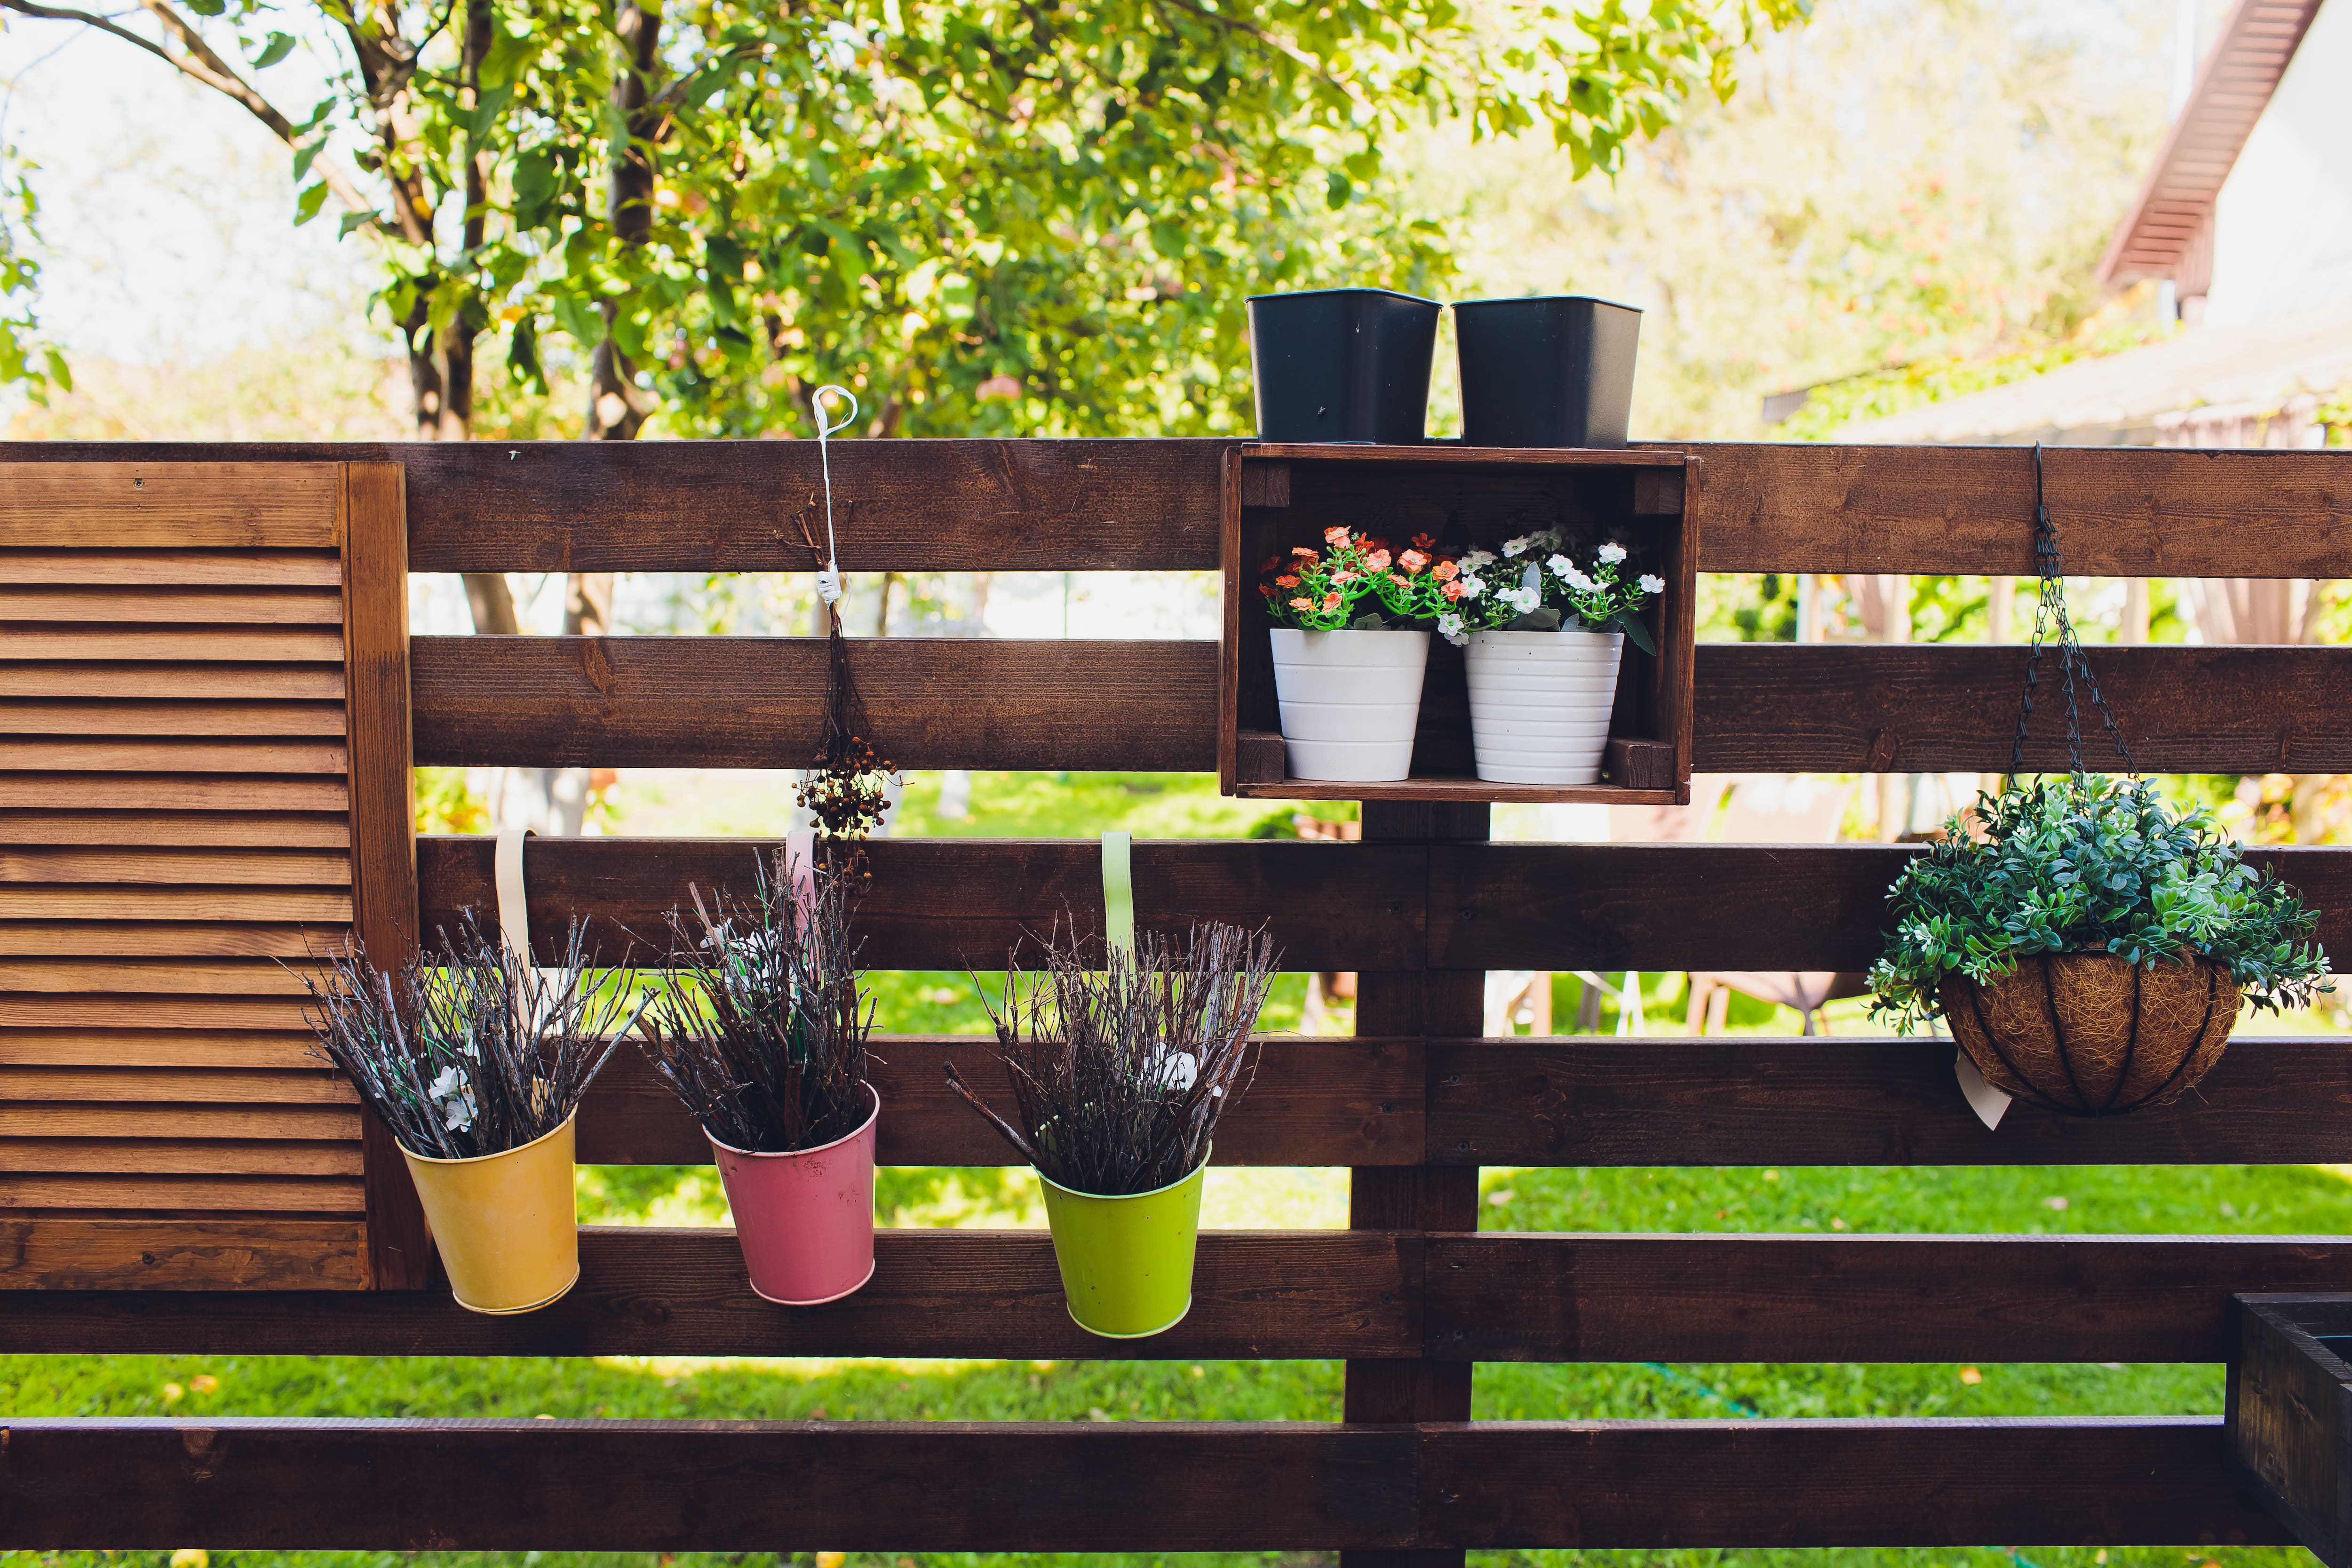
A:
828,579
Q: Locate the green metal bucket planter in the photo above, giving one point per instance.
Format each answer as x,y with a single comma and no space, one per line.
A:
1127,1262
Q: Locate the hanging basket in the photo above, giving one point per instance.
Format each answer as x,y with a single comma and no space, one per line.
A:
2089,1034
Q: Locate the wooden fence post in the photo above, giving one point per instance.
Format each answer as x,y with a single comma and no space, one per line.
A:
1423,1002
383,817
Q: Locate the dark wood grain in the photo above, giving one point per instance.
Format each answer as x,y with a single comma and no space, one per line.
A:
758,702
1674,1101
1934,708
706,1485
2290,1413
2087,1480
944,903
382,819
1713,906
2120,512
645,1291
1537,1297
1321,1101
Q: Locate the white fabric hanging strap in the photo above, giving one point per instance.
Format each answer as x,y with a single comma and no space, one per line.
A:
1119,891
828,577
1987,1102
800,866
514,910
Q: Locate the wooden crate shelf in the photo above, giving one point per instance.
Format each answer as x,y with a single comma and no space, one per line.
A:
1276,496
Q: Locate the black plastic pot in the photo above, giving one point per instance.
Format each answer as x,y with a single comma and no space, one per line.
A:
1554,370
1342,364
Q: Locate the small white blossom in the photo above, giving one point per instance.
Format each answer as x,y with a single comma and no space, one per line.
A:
1612,554
1449,627
1515,548
455,1096
1520,599
1475,559
1565,570
1471,587
1652,584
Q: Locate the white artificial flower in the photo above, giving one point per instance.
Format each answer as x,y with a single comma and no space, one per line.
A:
1520,599
1471,587
1652,584
1449,627
1515,548
456,1098
1560,565
1565,570
1612,554
1475,559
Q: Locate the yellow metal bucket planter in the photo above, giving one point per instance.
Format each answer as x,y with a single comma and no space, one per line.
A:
506,1224
1127,1262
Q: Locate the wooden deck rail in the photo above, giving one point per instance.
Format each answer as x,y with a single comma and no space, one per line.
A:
154,874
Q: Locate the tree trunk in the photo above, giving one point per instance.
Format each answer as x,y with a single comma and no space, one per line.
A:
616,407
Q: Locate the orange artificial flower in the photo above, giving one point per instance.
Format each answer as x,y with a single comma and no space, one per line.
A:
1265,590
1451,590
1446,571
1302,550
1344,576
1378,560
1271,563
1330,603
1412,560
1335,535
1302,605
1287,580
1422,542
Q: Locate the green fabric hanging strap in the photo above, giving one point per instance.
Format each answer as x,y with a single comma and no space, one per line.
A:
1119,891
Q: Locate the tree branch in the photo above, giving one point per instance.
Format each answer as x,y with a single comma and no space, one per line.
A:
201,65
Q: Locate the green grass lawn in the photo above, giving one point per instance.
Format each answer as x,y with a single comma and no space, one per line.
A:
2197,1200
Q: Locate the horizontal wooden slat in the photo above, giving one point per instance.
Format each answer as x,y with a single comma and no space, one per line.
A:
1505,1297
143,1119
158,939
166,867
19,1010
1056,505
1713,906
169,792
69,1253
933,702
55,640
124,498
226,568
1934,708
1110,706
243,829
150,976
886,1486
2105,1480
150,1156
645,1291
1782,1100
510,1485
206,681
944,903
99,716
320,907
235,1194
124,1087
1315,1102
96,1047
161,755
2120,512
173,604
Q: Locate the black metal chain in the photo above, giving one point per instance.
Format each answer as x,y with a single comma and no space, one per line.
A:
2052,605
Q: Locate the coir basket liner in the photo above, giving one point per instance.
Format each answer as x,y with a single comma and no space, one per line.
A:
2089,1034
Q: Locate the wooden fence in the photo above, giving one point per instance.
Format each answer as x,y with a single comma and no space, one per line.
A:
1410,1297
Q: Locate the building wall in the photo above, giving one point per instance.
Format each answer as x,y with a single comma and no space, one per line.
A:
2283,233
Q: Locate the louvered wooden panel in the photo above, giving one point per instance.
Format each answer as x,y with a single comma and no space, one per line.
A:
176,846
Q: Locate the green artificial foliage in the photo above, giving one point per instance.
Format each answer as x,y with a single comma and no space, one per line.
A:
2088,864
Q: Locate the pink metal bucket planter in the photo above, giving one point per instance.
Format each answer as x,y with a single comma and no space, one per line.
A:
806,1220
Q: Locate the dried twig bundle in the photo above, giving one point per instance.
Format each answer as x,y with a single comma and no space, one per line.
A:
761,1031
469,1050
1120,1071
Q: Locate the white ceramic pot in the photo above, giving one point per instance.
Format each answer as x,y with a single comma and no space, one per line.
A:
1539,704
1350,702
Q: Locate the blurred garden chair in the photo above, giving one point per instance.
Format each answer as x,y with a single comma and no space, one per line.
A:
1771,809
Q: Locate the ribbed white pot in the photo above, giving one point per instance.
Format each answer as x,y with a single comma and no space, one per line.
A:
1539,704
1350,702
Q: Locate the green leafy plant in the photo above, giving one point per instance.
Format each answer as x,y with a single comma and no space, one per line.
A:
1356,582
1533,587
2088,864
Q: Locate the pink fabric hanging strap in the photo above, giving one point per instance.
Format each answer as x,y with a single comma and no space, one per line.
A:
799,865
